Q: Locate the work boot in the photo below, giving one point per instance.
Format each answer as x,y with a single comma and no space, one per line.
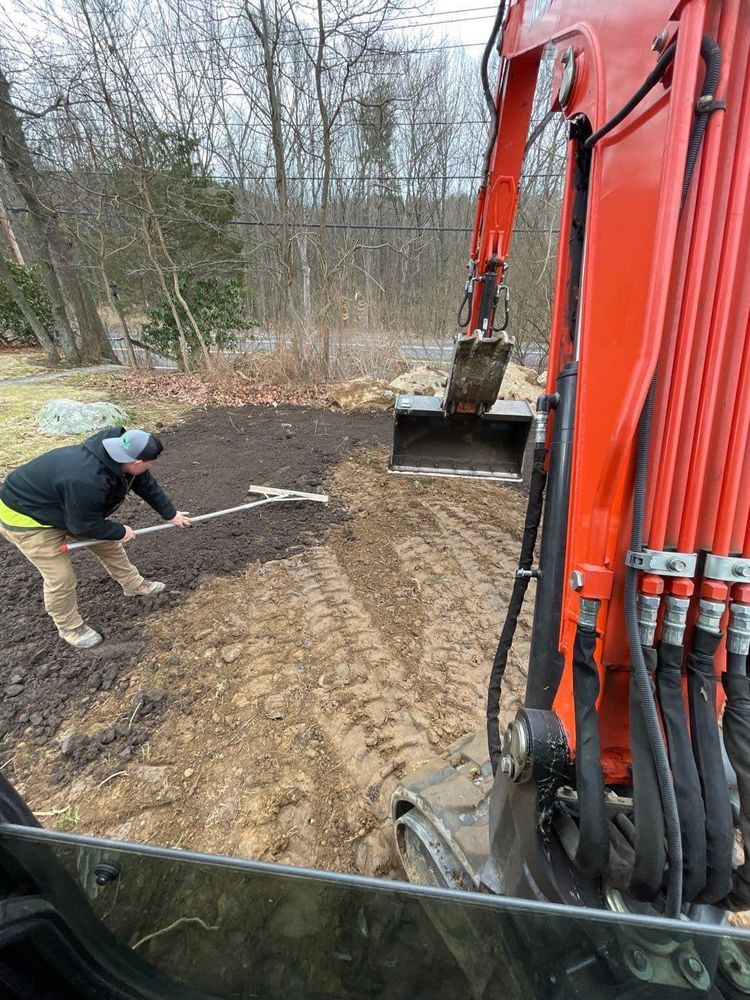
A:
81,637
149,588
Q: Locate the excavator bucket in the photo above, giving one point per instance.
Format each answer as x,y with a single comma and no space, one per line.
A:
429,442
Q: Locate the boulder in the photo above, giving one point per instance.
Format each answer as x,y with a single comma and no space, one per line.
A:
69,416
363,394
520,383
421,381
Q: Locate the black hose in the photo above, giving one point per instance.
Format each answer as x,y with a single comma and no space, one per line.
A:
592,853
639,671
489,97
649,860
711,54
662,64
461,322
687,787
704,732
736,730
525,561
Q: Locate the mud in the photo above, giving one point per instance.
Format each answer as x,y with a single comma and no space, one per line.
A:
301,690
208,464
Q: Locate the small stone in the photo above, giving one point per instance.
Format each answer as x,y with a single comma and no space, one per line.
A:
152,773
189,772
13,689
16,678
68,743
231,653
274,706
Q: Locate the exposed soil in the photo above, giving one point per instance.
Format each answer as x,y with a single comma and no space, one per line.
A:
208,464
303,661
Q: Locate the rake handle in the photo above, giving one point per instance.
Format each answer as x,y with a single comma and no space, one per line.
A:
277,498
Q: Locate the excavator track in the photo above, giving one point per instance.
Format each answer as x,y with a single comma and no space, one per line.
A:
441,816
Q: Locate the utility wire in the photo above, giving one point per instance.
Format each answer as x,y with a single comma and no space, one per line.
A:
272,223
239,178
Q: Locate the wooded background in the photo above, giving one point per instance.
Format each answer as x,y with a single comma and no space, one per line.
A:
226,174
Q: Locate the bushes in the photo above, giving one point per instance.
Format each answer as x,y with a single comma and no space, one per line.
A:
13,326
220,309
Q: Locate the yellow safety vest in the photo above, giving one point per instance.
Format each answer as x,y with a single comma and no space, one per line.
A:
14,521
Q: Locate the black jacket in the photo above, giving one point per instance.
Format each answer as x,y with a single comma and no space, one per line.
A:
78,487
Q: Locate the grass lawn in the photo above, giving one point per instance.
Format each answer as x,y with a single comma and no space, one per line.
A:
16,364
20,405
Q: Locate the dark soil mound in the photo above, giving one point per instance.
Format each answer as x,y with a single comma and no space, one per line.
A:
208,464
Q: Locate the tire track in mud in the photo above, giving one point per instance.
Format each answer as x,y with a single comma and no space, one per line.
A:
487,556
362,694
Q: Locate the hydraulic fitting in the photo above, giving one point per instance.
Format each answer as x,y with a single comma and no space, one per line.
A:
738,632
709,615
587,614
675,619
648,613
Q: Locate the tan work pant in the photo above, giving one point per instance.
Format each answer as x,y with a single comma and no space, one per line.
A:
42,549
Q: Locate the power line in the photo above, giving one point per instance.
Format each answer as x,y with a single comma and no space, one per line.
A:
269,178
273,224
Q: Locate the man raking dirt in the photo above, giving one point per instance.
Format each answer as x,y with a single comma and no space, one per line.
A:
74,491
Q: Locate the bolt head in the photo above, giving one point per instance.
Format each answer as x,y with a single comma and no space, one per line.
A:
741,570
659,41
576,580
640,960
694,964
677,565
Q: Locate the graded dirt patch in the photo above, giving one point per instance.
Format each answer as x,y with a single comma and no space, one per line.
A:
209,462
296,694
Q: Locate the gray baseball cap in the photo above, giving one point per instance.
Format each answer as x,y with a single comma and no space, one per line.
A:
133,445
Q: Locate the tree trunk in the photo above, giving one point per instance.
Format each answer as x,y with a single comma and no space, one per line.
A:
16,293
305,270
267,34
17,159
115,304
10,236
95,345
176,281
181,338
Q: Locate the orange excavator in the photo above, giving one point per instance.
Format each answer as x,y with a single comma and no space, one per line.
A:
615,785
596,845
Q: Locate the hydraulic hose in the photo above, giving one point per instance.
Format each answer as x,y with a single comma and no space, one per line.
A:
639,670
704,732
489,97
687,787
736,731
662,64
592,853
520,584
648,860
707,105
